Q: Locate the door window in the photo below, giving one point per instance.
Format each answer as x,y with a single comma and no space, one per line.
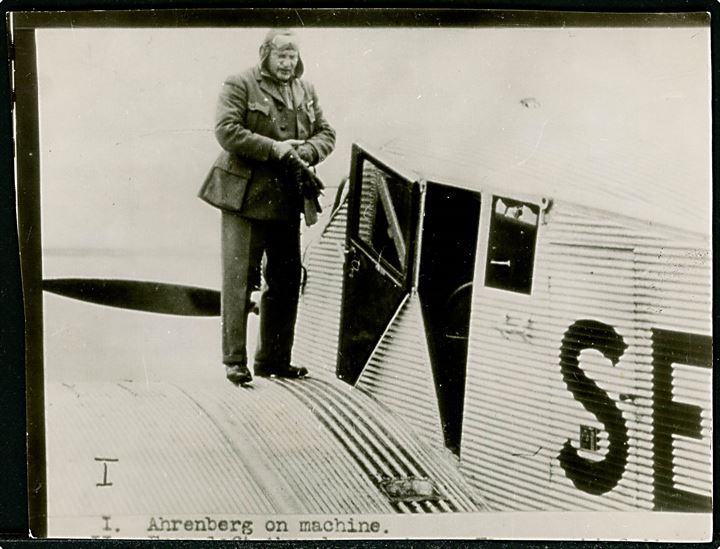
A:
511,247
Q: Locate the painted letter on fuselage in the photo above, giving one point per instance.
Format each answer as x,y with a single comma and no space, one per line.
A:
594,477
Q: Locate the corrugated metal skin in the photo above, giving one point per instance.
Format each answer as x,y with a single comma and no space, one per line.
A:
307,463
199,449
519,151
518,410
386,446
675,281
318,322
138,425
399,373
677,298
368,201
217,449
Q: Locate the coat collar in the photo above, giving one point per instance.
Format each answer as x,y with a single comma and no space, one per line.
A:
268,85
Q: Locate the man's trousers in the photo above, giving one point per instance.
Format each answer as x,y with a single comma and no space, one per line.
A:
244,241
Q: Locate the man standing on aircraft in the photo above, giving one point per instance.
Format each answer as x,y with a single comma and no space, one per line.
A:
271,128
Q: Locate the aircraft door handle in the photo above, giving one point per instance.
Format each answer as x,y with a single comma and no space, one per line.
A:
354,264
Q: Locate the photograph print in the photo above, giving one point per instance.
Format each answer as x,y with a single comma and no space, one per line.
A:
306,274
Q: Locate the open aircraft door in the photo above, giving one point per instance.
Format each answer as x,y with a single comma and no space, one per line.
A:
383,221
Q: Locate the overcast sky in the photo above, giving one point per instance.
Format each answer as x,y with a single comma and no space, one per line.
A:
126,115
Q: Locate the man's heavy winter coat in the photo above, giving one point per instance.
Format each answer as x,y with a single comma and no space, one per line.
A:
251,115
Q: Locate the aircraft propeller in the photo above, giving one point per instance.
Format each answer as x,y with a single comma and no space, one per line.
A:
138,295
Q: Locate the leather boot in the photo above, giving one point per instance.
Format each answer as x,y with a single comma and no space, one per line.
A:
288,371
238,374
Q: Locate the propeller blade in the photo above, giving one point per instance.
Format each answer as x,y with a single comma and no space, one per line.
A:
138,295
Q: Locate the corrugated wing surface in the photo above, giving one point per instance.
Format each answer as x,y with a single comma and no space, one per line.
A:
533,379
318,322
399,373
312,446
386,447
196,449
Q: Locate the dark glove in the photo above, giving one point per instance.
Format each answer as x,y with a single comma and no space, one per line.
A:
307,153
312,185
311,209
309,184
294,166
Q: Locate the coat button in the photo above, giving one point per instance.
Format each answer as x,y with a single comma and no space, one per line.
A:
281,107
283,128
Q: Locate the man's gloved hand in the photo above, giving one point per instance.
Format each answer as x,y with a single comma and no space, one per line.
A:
307,153
309,184
281,148
294,165
312,185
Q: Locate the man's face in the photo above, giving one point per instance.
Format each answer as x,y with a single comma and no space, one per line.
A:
282,63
